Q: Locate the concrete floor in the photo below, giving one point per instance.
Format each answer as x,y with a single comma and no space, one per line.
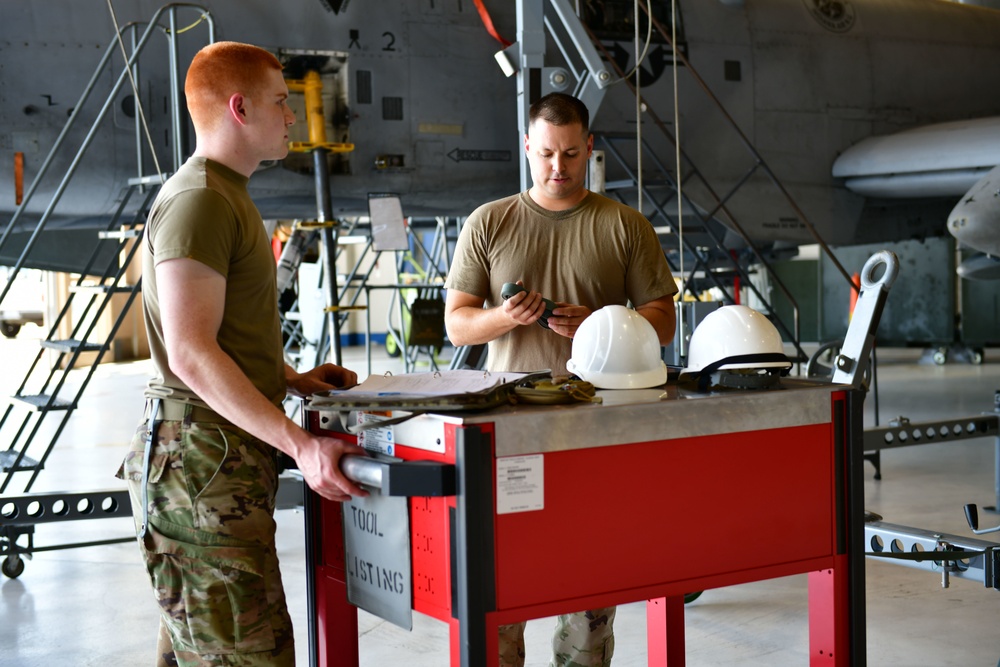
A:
93,606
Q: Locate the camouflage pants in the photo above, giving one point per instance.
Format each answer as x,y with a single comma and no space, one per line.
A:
210,548
583,639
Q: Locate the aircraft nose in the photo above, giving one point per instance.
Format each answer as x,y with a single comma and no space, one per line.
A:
975,220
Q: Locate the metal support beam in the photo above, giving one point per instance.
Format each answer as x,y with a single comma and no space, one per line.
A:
902,433
534,80
531,45
888,539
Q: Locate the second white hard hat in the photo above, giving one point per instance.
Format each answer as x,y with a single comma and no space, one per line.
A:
735,337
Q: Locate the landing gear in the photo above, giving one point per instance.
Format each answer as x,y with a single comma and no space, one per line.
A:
957,353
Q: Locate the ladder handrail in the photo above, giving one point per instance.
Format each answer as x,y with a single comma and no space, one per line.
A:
658,207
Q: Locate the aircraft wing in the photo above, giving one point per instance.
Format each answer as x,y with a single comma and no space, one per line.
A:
956,159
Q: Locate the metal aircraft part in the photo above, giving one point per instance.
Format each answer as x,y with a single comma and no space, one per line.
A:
903,544
980,267
942,160
975,220
20,514
901,432
864,68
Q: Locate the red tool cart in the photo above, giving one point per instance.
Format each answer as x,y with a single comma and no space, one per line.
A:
685,491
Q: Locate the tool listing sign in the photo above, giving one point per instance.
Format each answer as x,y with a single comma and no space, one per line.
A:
377,553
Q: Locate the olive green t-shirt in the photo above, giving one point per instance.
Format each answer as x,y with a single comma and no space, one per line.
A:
203,212
596,254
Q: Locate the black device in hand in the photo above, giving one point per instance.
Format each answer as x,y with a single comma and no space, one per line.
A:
510,289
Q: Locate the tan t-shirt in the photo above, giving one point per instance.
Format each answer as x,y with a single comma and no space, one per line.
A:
596,254
204,212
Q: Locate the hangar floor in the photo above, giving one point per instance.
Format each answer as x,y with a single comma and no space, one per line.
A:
92,606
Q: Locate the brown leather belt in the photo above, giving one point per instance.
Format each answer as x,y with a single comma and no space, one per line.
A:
171,410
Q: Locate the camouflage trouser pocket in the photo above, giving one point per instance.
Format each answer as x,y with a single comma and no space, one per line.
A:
213,599
210,546
210,477
131,469
231,481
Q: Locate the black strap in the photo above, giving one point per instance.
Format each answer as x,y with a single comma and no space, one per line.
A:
705,374
358,428
153,425
947,555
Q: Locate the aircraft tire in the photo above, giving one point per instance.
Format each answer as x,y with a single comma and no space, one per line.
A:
9,329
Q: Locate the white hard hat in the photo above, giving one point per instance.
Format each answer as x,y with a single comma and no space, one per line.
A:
735,337
617,348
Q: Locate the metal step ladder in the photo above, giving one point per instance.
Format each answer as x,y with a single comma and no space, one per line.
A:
47,391
44,390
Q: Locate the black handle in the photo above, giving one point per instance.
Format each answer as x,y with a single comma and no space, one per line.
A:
972,516
401,478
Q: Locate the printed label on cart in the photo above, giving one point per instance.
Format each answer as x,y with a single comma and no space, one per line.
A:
377,555
378,438
520,484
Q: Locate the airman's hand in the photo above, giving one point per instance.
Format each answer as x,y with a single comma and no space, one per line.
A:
567,317
319,463
524,307
321,378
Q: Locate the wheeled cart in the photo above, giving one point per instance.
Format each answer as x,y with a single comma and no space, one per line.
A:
649,495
